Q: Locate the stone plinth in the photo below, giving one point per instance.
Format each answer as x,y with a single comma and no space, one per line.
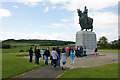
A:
88,39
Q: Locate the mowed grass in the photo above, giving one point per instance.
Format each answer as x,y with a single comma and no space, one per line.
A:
104,71
18,48
13,65
109,50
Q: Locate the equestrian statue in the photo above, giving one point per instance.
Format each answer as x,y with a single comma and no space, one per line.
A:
85,21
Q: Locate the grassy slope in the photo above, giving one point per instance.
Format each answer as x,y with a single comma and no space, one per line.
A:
13,65
105,71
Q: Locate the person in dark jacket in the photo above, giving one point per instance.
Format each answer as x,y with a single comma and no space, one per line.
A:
38,55
69,51
96,50
35,54
84,50
59,53
77,52
47,54
31,54
81,51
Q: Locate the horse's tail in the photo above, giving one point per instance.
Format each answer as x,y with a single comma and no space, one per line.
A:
90,21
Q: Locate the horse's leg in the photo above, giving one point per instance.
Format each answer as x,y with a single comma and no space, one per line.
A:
91,29
86,29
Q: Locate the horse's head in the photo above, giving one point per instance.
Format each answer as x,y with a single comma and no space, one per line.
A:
79,12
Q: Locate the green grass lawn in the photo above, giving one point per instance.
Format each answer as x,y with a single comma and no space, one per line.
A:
109,50
13,65
18,48
104,71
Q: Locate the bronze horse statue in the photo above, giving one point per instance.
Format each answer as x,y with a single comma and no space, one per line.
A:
85,21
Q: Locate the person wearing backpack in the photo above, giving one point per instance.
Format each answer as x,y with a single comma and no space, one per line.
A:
59,52
54,55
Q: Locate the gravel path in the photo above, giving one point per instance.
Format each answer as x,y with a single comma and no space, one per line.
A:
90,60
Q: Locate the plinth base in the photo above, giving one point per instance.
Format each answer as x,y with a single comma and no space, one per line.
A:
87,39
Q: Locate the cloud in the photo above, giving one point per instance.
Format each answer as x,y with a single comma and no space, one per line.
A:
105,20
29,25
64,20
91,4
109,36
15,6
32,4
46,9
104,24
4,13
56,25
58,1
53,25
36,35
72,4
53,7
102,20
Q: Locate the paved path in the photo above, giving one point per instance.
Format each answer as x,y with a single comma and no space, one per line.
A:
41,73
88,61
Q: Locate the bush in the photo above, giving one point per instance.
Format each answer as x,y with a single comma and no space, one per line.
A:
27,50
33,45
6,46
21,50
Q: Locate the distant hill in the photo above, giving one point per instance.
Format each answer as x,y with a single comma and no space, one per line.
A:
26,42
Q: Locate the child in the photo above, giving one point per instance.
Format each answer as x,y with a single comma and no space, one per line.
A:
67,51
96,52
72,57
43,51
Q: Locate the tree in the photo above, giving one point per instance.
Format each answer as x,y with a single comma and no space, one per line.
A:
103,43
6,46
103,40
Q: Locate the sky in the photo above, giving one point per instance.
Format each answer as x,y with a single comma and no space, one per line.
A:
56,19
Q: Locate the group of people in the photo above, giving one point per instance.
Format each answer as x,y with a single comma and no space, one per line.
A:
56,55
80,51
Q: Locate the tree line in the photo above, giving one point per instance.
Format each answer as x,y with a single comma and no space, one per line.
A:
7,43
103,43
